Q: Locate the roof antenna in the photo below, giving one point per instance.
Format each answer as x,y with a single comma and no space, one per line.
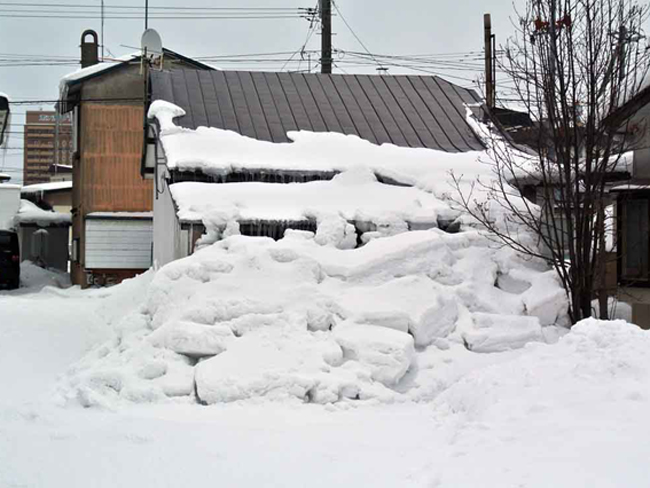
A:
102,30
146,14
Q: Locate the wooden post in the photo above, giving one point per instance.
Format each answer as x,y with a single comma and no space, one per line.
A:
326,36
489,72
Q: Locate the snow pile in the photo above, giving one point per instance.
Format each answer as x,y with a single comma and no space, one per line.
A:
314,316
30,213
251,317
543,417
606,361
35,277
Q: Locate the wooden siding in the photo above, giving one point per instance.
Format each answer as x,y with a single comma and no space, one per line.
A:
111,148
118,244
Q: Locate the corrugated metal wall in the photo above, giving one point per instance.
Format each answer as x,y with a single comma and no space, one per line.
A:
111,142
118,244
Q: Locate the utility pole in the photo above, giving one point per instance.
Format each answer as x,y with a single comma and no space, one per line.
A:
326,36
490,96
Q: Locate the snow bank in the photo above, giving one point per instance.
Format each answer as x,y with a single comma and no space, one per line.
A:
250,317
34,277
605,361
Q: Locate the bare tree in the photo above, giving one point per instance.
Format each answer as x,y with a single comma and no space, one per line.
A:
571,64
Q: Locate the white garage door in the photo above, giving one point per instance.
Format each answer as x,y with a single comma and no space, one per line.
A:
118,243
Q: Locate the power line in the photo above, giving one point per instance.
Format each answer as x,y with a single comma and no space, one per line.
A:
310,32
336,7
139,7
156,17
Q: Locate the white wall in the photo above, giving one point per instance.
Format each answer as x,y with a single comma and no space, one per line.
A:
166,228
9,205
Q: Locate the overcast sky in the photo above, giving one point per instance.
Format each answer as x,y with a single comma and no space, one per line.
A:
384,26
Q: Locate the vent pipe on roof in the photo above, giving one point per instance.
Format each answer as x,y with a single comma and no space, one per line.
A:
89,48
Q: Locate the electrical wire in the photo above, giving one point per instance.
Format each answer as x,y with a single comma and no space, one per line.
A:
310,32
336,7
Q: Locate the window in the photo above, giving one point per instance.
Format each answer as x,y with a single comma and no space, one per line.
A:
636,243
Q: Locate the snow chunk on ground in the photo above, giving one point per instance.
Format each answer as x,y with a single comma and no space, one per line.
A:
277,363
387,352
193,340
496,333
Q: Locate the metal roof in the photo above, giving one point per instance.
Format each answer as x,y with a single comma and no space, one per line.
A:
409,111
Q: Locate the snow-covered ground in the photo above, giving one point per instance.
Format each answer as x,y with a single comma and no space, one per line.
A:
386,356
568,414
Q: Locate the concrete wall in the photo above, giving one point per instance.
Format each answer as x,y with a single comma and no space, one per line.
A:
51,249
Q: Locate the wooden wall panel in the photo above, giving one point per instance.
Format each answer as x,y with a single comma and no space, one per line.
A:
111,148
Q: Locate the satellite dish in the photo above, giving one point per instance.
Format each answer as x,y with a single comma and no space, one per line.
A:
151,43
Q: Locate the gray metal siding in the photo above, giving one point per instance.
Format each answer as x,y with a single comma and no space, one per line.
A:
118,244
408,111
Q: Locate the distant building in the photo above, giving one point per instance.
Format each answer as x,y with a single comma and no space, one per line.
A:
47,145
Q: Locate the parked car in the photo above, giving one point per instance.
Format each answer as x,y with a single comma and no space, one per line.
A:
9,260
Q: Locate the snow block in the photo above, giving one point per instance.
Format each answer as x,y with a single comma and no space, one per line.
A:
549,305
336,231
277,364
386,352
396,320
193,340
438,321
498,333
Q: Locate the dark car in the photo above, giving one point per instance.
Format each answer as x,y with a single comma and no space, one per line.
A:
9,260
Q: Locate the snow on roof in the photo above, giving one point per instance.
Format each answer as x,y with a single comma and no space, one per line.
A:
120,215
217,151
355,195
5,176
8,186
45,187
29,213
94,69
630,187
